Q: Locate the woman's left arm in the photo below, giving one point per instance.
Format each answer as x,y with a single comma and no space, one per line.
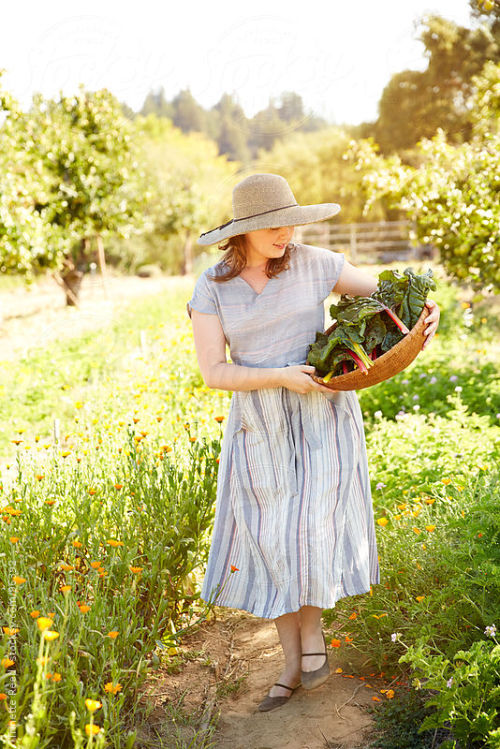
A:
357,282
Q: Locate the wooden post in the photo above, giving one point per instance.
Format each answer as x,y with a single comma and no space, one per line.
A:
102,264
353,243
67,289
188,254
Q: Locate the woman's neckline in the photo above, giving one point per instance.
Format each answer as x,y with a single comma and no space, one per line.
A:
257,293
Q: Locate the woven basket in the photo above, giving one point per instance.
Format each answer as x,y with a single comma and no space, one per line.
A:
393,361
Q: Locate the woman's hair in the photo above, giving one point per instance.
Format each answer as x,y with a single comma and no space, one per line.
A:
235,259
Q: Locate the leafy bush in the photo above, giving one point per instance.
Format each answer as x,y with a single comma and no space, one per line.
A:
468,692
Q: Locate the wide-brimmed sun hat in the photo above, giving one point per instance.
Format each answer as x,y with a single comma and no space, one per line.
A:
265,201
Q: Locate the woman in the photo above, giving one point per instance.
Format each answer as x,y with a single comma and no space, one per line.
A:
294,527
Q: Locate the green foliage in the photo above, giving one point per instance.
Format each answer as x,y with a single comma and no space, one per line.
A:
317,167
468,691
191,188
397,722
75,177
237,136
452,197
485,109
414,104
158,512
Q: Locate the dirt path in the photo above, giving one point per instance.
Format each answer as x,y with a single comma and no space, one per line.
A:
232,663
36,316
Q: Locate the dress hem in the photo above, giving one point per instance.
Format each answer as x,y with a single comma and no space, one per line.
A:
258,613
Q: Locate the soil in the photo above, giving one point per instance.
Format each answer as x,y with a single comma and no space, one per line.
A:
232,662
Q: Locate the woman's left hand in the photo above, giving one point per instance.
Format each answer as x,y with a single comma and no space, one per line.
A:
431,322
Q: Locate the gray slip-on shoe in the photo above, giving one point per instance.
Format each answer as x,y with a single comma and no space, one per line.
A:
313,679
269,703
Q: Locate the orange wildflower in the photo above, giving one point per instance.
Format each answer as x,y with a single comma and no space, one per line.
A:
112,688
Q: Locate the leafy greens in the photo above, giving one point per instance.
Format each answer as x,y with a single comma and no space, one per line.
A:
367,327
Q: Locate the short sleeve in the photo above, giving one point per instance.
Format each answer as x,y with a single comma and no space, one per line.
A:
331,264
203,298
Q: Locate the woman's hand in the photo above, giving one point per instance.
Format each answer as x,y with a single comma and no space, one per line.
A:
431,322
297,378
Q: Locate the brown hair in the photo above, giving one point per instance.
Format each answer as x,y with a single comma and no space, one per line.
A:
235,259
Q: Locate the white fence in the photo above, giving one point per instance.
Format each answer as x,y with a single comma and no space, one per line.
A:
383,240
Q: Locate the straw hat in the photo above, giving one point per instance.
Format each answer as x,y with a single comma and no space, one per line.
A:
264,201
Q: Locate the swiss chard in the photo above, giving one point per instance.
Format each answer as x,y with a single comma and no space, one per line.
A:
367,326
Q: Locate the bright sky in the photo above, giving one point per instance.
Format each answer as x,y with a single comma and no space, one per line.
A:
337,55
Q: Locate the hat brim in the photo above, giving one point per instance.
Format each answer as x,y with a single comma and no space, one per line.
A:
295,216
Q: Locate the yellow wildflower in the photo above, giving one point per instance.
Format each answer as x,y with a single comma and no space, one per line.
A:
92,705
43,623
50,634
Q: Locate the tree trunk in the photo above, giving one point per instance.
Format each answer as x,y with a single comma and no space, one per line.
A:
187,265
102,264
72,279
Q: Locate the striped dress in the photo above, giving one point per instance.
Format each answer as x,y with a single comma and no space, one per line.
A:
294,509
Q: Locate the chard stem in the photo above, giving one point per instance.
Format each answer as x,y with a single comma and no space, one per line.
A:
397,320
359,362
361,355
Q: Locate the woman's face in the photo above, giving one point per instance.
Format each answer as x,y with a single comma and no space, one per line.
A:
263,244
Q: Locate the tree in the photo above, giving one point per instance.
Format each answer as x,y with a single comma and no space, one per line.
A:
27,241
318,172
265,128
452,197
291,108
485,106
415,103
188,115
155,103
191,185
232,130
72,177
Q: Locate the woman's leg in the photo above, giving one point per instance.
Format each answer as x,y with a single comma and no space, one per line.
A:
311,637
288,627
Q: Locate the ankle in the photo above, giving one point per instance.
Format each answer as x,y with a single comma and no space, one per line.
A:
291,669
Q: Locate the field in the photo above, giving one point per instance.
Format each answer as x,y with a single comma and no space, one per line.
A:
109,458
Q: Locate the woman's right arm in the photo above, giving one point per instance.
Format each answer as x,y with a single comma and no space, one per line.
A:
210,344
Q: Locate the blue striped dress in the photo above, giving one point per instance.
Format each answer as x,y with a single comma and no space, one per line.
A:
294,509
